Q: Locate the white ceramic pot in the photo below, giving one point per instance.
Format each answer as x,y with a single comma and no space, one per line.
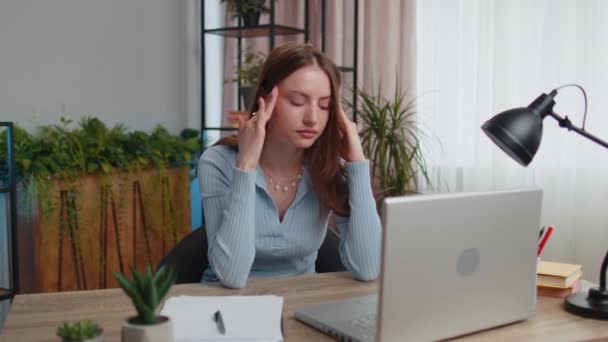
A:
159,332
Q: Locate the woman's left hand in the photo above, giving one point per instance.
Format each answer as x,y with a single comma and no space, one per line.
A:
352,150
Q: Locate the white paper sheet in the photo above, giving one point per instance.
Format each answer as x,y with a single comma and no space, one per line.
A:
246,318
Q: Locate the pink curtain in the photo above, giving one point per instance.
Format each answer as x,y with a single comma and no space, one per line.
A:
387,40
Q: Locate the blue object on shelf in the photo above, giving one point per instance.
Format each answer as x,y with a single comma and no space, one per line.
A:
196,205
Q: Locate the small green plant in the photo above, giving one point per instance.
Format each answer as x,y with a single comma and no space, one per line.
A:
391,138
79,331
242,7
248,73
147,290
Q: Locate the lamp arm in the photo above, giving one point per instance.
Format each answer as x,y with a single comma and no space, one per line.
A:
603,273
565,122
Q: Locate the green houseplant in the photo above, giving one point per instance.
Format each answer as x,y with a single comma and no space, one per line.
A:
95,199
80,331
391,138
66,152
248,75
248,10
147,292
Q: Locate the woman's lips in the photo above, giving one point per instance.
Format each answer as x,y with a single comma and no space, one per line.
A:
307,133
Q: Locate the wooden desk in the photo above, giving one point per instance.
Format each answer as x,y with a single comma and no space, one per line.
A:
35,317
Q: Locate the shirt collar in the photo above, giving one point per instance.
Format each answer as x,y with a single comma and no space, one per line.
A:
260,182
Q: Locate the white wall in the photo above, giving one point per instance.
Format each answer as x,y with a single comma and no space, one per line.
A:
122,61
135,62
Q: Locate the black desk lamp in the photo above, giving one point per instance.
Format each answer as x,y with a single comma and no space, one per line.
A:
518,132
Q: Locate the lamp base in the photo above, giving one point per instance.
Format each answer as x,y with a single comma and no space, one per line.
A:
591,305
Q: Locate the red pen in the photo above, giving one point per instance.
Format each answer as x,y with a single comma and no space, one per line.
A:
544,240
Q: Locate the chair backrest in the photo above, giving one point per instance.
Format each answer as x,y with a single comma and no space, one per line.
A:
189,256
328,259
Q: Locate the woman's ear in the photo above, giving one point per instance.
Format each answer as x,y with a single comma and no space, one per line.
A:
264,93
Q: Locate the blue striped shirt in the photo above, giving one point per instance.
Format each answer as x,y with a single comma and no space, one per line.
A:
247,239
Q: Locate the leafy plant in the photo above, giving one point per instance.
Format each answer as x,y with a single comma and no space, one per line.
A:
391,139
248,73
240,7
79,331
65,153
147,290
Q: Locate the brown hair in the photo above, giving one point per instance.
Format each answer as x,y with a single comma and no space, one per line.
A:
323,157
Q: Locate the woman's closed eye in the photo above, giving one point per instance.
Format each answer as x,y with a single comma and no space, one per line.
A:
300,101
297,101
324,105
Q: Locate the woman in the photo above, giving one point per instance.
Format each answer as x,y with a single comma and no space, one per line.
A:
267,192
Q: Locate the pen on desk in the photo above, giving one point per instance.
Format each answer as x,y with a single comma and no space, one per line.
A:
219,321
544,240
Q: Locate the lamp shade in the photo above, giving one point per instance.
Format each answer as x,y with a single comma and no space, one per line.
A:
518,131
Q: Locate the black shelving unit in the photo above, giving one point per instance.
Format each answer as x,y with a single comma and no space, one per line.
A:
272,30
239,33
10,187
345,69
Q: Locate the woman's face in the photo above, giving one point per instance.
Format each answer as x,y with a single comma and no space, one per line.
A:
302,108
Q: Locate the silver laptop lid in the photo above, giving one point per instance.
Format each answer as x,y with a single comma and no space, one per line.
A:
457,263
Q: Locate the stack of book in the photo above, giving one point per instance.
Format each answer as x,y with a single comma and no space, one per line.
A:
555,279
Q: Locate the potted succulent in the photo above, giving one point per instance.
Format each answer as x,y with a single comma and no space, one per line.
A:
146,292
248,10
80,331
391,138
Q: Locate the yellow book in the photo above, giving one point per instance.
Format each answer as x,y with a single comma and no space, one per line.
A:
557,274
557,291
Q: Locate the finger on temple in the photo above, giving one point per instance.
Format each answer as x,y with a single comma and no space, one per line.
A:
272,101
262,110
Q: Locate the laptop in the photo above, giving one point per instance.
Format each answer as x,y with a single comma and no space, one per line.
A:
452,264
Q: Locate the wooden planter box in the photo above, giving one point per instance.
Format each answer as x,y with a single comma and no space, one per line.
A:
104,224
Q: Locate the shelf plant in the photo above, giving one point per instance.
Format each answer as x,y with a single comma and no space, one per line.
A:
248,75
248,10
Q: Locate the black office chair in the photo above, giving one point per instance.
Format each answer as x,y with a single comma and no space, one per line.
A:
189,256
328,258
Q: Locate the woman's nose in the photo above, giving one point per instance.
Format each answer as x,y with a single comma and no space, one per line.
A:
312,116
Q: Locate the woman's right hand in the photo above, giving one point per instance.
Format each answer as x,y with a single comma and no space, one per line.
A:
253,132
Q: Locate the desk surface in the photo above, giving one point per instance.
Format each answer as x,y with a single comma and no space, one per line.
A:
34,317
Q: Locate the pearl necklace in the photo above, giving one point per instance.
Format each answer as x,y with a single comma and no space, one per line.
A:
285,187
